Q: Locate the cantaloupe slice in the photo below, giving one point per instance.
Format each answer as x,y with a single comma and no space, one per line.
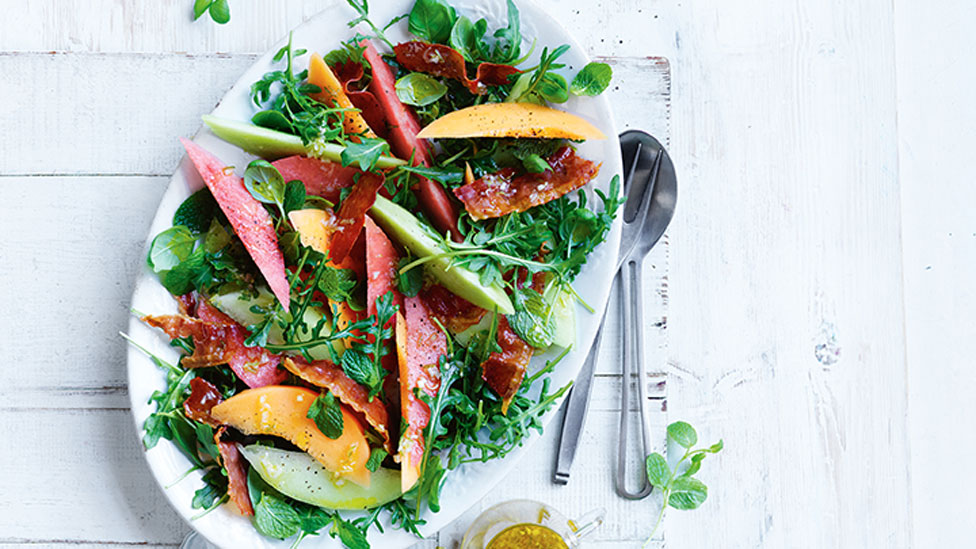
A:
511,120
282,411
332,94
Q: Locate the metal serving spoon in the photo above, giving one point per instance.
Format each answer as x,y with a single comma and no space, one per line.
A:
643,157
664,190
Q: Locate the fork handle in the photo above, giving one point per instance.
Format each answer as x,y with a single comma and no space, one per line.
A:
632,363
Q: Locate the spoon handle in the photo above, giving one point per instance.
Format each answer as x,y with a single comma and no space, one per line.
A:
633,347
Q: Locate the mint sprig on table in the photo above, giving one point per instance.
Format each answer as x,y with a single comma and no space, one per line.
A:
678,486
219,10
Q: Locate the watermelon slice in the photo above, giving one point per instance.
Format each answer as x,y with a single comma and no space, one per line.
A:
325,179
420,344
381,267
404,128
250,220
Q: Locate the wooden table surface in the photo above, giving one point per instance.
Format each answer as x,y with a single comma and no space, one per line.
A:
812,303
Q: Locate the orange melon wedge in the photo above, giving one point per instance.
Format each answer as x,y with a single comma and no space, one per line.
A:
511,120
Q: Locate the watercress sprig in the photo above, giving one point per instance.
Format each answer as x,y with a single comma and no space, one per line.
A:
679,488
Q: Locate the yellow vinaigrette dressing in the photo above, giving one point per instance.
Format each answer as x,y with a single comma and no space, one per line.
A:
527,536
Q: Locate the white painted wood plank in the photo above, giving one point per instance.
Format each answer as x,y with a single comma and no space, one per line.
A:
607,27
937,129
785,312
108,125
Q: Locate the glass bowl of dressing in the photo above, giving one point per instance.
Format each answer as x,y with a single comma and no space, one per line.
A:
527,524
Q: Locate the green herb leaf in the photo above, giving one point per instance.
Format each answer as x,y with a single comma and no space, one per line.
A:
376,457
264,182
687,493
553,87
365,153
535,164
432,20
532,320
359,367
411,282
683,434
196,211
274,120
696,461
592,80
419,89
294,196
200,7
327,415
468,38
658,471
441,175
170,248
313,518
220,11
350,535
337,284
273,516
509,39
193,272
214,488
716,448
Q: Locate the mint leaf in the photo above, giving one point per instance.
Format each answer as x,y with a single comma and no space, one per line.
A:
220,11
592,80
337,284
196,211
170,248
468,38
683,434
365,153
687,493
359,367
532,320
553,87
200,7
376,457
419,89
294,196
274,120
327,415
432,20
273,516
658,471
716,448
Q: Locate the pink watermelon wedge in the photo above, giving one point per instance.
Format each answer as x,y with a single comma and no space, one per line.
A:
381,267
325,179
250,220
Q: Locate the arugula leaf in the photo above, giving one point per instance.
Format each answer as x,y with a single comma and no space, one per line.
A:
196,212
592,80
410,282
441,175
509,39
419,89
362,8
327,415
432,20
365,153
214,489
376,457
541,84
350,535
170,248
468,39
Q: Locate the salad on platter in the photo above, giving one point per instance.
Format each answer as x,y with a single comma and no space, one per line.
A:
358,306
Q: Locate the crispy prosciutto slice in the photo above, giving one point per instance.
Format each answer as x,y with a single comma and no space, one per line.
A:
251,222
230,458
405,144
420,344
350,74
456,313
203,397
323,373
209,339
504,370
325,179
502,192
445,61
334,94
255,366
352,215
